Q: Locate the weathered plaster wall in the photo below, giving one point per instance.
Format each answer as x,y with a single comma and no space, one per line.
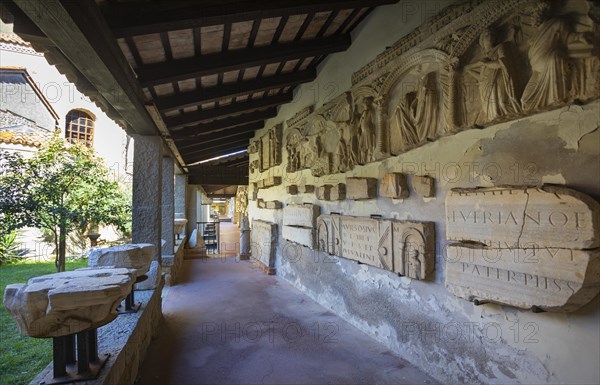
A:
448,337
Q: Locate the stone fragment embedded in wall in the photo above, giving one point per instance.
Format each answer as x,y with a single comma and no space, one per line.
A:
254,147
328,233
292,189
271,181
403,247
254,166
264,237
60,304
273,205
413,248
306,189
549,216
524,247
393,185
301,215
361,188
254,196
424,186
299,224
338,192
241,202
269,148
323,193
452,75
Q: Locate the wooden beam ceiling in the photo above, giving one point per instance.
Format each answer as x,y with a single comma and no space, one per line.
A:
224,124
226,91
242,131
215,154
206,65
217,147
203,116
141,18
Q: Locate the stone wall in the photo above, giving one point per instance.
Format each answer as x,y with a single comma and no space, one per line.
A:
447,336
127,339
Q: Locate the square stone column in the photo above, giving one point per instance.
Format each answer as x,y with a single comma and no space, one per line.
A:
192,208
168,205
180,195
147,191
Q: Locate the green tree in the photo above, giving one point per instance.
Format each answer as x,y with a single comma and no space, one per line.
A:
61,187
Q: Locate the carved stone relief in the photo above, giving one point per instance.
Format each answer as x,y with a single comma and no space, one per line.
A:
269,148
268,182
331,192
406,248
241,202
451,74
535,248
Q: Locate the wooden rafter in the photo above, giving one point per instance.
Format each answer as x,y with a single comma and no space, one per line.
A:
140,18
206,65
185,143
225,124
225,91
203,116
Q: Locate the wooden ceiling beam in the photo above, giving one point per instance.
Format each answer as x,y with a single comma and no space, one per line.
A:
224,124
219,146
225,91
143,17
222,133
229,138
215,154
233,109
195,142
206,65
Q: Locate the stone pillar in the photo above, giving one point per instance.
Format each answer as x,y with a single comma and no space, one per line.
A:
168,205
192,209
180,195
147,191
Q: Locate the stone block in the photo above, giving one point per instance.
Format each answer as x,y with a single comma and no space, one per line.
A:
424,186
301,235
393,185
532,248
549,216
338,192
292,189
306,189
328,230
154,277
361,188
263,237
324,192
130,256
274,205
60,304
413,248
301,215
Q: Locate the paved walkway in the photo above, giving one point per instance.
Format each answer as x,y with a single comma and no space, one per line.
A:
228,323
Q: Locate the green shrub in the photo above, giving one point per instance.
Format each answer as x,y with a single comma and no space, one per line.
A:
9,248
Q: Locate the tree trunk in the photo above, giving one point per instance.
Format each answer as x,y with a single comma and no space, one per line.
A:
62,247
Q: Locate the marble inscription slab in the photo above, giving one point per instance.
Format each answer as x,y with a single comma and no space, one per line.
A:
532,248
301,215
403,247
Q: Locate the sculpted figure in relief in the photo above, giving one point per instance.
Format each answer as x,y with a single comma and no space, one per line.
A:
415,119
495,76
548,83
366,131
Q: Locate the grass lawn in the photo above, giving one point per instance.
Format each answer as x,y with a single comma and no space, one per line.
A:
22,357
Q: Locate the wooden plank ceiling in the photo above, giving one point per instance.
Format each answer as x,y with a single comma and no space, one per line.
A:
216,70
202,74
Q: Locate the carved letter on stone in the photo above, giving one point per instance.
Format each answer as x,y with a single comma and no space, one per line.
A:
524,247
393,185
264,236
361,188
403,247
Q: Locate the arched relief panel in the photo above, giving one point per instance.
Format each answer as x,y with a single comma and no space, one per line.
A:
413,101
